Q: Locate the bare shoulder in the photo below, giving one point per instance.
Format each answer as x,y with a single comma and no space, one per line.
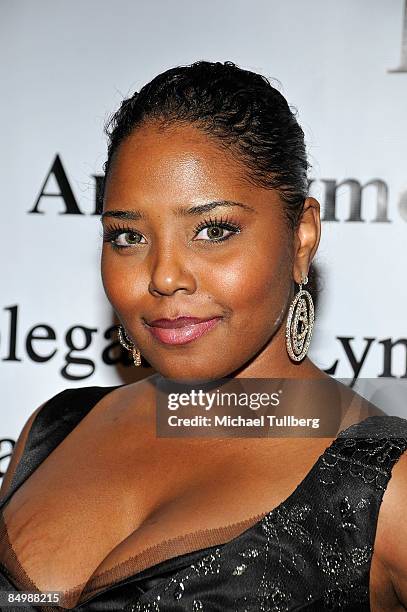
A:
355,407
390,548
132,403
140,394
143,390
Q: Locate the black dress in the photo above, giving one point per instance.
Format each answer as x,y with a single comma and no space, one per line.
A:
312,552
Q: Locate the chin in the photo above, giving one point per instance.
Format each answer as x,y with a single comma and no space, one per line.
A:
187,371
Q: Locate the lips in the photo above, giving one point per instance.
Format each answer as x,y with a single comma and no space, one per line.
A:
176,323
180,330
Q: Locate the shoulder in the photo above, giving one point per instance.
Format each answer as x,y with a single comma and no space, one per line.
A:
60,413
23,438
99,403
390,548
86,397
63,409
74,403
355,408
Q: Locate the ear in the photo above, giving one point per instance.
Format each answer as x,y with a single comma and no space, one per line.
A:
306,239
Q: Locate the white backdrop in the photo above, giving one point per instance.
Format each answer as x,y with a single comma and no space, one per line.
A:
66,65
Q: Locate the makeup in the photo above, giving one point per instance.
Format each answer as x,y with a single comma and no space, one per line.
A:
186,329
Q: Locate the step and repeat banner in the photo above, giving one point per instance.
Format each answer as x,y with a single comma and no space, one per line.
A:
65,66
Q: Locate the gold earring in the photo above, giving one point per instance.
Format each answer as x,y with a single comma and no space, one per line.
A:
128,344
300,323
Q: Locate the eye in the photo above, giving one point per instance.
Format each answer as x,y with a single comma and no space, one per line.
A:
122,237
213,230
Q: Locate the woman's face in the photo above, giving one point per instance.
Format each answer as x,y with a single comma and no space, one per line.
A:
199,241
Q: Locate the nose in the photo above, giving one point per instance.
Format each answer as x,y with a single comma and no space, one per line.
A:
169,274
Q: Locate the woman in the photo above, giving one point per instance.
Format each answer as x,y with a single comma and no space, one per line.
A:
206,216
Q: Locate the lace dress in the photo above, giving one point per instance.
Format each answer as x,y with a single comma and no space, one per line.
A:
312,552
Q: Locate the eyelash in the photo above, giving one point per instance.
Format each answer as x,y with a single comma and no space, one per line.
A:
111,233
224,223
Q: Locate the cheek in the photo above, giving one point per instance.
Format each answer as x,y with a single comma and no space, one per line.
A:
121,283
256,288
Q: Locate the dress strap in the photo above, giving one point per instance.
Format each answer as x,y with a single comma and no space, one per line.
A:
56,419
377,426
349,484
370,449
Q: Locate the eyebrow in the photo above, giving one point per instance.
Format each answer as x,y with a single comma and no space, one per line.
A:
136,215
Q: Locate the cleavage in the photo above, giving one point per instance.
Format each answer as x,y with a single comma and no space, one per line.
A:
90,506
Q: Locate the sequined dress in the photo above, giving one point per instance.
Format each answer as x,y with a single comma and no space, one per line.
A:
312,552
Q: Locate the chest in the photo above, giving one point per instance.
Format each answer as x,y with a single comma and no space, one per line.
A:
111,492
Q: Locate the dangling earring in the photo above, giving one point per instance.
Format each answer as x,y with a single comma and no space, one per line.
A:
300,323
128,344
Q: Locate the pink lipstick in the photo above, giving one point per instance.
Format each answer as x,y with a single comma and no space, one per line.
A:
180,330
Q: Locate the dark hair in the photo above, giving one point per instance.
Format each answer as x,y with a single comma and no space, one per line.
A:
242,111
